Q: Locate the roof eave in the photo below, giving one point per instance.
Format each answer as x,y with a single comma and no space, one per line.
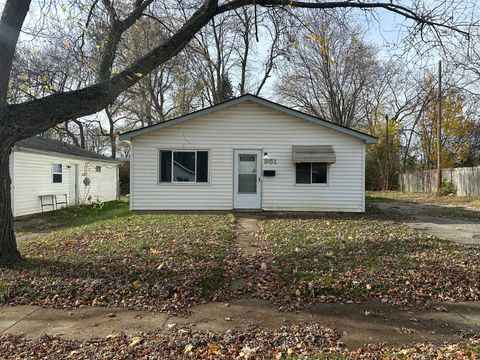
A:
55,153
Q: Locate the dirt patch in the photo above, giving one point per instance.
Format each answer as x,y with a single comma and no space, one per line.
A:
416,216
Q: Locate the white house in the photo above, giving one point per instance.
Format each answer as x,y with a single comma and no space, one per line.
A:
48,174
247,153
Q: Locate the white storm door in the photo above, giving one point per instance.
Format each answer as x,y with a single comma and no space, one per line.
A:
247,186
72,185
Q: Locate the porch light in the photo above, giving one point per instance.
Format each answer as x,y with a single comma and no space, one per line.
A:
265,155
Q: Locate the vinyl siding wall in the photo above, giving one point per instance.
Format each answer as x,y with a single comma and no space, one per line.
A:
32,176
247,126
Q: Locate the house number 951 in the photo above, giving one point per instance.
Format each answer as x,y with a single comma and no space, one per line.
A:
270,161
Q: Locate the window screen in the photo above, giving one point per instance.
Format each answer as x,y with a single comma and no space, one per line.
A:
319,173
311,173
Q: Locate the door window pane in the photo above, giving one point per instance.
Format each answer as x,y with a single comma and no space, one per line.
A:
319,173
184,166
165,166
247,183
202,166
247,173
303,173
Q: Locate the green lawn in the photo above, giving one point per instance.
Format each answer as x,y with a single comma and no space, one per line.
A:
122,259
73,216
358,257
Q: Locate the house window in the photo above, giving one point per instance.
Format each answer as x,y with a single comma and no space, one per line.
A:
183,166
311,173
98,169
57,173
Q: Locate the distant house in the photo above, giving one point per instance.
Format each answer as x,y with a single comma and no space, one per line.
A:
247,153
49,174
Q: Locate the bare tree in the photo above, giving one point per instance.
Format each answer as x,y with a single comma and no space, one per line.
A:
330,70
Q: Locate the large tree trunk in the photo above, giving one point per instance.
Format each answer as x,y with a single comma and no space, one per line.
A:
8,244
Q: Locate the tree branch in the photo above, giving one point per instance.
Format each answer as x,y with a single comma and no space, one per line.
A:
35,116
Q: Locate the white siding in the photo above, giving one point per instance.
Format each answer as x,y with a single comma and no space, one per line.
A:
248,126
32,174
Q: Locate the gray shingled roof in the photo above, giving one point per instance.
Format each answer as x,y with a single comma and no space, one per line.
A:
50,145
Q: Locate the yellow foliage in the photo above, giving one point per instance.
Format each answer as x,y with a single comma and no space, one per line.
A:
456,127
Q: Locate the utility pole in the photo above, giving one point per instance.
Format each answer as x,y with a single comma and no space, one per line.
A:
439,130
387,153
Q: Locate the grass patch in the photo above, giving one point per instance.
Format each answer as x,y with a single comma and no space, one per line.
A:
73,216
357,257
212,282
123,259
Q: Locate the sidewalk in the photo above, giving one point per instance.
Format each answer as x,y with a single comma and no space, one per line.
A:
360,323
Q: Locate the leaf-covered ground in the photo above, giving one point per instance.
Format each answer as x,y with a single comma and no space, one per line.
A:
169,262
355,258
150,262
301,341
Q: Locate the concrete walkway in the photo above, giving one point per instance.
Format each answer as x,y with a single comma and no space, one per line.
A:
245,236
360,323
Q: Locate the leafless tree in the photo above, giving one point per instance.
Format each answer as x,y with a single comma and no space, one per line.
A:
330,70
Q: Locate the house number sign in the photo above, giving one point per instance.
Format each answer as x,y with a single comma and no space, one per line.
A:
270,161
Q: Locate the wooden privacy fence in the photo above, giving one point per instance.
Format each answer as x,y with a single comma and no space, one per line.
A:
466,180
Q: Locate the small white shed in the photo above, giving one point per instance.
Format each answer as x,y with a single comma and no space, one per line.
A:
247,153
48,174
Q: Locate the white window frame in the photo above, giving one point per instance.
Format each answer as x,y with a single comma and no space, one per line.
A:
172,182
311,183
56,173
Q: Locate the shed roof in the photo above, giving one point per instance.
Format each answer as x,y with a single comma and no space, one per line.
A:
43,144
258,100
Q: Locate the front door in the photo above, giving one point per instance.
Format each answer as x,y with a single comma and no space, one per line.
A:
247,188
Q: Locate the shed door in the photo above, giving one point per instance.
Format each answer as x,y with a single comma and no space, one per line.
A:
247,189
